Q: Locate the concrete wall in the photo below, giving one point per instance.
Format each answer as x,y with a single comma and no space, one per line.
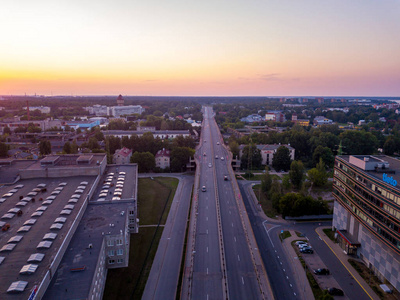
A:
100,276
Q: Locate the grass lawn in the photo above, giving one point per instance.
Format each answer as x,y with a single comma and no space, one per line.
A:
153,196
285,235
266,203
329,233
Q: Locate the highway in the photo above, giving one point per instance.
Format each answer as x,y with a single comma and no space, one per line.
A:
224,261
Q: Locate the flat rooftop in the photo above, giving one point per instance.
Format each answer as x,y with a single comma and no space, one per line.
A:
99,219
15,259
392,171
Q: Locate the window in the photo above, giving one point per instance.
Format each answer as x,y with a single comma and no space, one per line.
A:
111,253
110,243
119,242
111,261
120,260
131,212
120,251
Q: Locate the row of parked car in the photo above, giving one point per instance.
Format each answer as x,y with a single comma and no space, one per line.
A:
305,247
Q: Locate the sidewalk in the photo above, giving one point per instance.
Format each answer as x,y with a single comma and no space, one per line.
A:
335,248
297,268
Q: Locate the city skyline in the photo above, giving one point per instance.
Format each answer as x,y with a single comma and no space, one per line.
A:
212,48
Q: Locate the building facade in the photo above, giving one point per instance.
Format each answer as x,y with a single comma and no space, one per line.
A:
275,115
268,152
163,158
117,111
367,212
122,156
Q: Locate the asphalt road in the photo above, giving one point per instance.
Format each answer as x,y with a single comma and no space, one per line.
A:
277,265
163,279
211,255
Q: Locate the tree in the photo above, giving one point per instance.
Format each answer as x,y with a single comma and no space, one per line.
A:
44,147
325,154
74,147
281,159
391,145
145,160
296,173
318,175
3,150
93,144
234,146
7,130
251,157
266,182
359,142
67,148
180,157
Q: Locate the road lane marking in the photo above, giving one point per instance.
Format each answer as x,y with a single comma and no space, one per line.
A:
242,280
207,249
234,238
207,271
206,218
268,233
345,267
207,231
232,224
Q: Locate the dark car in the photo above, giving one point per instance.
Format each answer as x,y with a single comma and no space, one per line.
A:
335,292
321,272
307,250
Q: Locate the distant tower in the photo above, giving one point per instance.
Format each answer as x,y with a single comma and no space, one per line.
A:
120,101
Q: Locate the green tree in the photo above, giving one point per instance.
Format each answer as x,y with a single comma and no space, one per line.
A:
234,146
3,150
266,182
67,148
74,147
93,144
324,153
281,159
145,160
296,173
180,157
251,157
7,130
44,147
359,142
318,175
391,145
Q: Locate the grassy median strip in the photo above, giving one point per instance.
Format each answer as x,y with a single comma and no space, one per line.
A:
154,201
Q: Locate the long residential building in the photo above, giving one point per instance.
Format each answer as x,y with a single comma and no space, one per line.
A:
367,212
162,134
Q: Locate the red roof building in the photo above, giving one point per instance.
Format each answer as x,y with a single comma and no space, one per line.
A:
163,158
122,156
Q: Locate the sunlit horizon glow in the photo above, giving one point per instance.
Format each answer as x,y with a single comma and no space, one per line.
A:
207,48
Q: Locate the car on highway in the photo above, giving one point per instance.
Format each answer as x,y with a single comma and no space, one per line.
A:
216,156
335,292
203,189
204,154
225,177
222,158
307,250
321,271
217,143
209,165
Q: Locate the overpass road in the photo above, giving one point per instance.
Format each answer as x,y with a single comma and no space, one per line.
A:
222,259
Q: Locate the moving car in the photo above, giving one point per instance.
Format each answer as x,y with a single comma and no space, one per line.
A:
209,165
217,143
222,158
203,189
335,292
225,177
216,156
322,271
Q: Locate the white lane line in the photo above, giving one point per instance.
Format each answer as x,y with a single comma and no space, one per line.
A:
232,224
238,257
207,249
287,277
230,212
265,228
290,285
207,271
278,256
207,296
207,231
206,218
284,270
234,238
242,280
207,207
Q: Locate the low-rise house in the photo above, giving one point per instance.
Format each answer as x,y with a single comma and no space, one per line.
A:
268,151
321,120
163,158
122,156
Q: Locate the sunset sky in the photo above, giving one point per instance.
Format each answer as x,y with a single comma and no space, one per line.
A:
200,48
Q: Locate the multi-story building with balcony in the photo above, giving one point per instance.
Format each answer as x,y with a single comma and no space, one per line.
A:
367,212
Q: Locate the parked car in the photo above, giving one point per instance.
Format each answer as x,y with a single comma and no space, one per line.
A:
307,250
303,245
300,242
335,292
322,271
